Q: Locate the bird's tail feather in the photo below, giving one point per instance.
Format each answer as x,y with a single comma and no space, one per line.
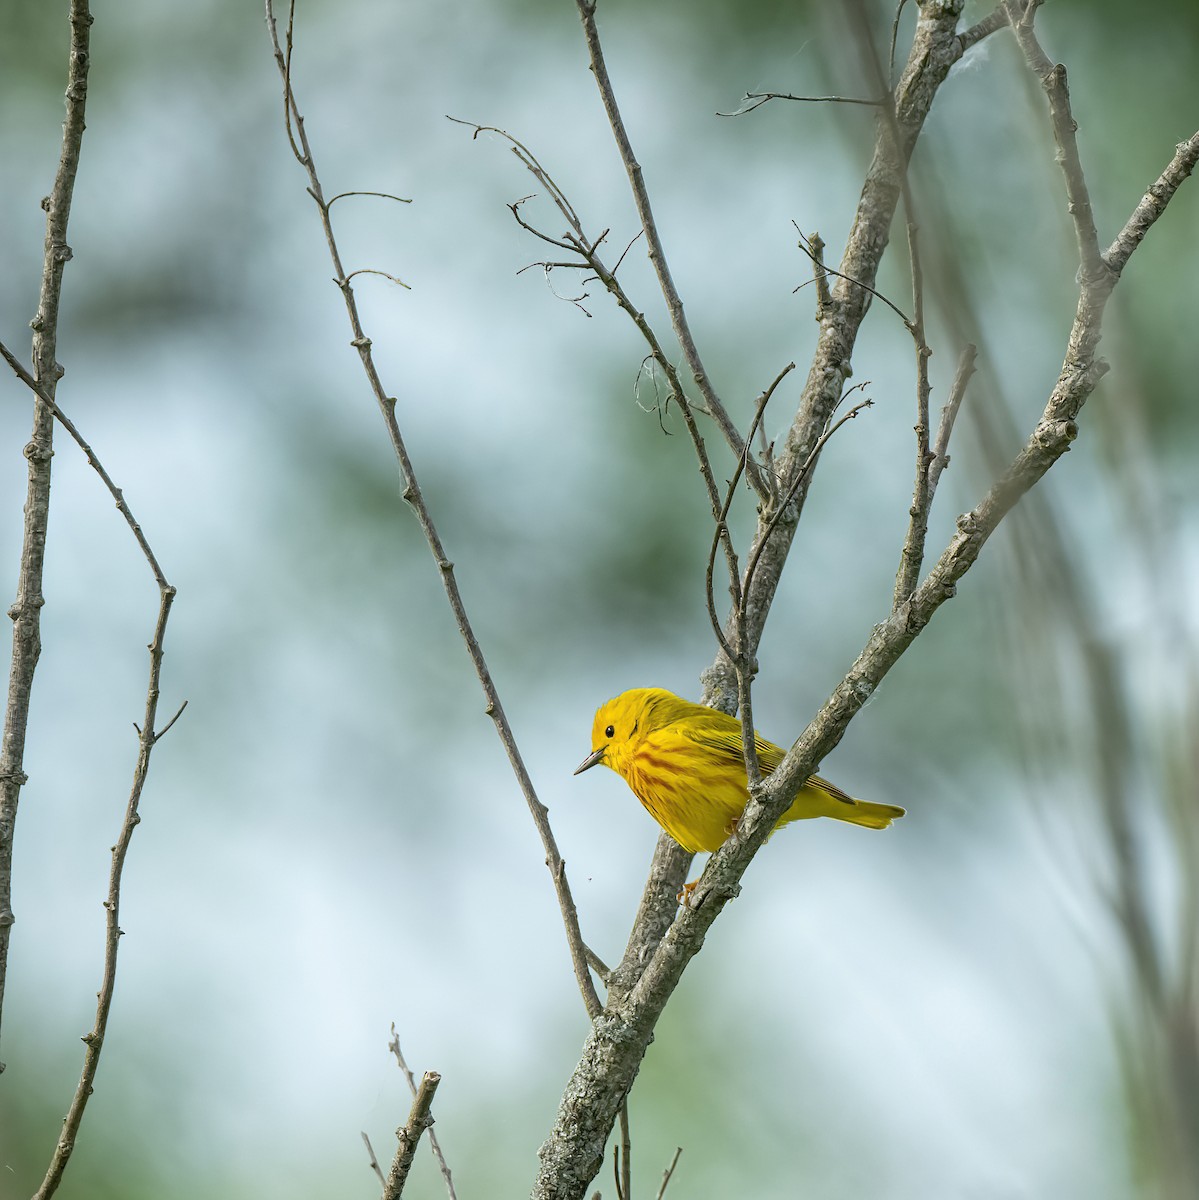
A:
833,802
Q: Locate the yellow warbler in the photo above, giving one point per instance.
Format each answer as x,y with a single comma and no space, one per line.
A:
685,763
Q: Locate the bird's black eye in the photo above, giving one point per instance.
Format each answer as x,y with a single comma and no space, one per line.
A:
610,732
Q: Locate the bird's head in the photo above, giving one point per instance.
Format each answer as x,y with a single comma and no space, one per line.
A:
619,726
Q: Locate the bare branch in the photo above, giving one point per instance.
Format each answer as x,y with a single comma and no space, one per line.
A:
1153,204
419,1119
1053,80
933,52
435,1146
655,913
26,642
415,498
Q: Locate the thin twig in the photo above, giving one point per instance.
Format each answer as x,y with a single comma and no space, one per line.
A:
669,1172
382,195
373,271
773,523
894,43
760,98
810,249
374,1162
47,398
419,1119
623,1154
657,253
1053,79
949,415
529,160
434,1144
722,531
148,738
26,608
415,498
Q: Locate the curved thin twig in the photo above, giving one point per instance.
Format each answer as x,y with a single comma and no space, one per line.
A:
373,271
382,195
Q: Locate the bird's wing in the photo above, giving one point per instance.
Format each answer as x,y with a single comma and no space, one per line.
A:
723,738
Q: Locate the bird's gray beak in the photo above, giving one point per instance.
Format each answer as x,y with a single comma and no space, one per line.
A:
596,756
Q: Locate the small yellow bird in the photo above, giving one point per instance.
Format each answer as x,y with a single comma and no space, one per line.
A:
685,763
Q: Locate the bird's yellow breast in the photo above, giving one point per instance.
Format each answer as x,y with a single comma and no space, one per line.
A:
697,800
